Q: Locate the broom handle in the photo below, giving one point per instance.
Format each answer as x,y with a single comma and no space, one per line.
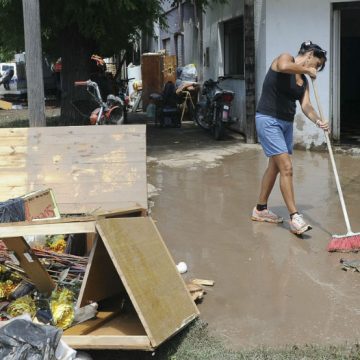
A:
328,143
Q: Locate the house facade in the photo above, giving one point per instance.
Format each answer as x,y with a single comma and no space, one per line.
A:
241,38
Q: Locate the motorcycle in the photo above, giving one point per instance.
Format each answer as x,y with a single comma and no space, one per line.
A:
111,112
212,112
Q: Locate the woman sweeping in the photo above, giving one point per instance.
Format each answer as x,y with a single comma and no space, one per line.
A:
284,84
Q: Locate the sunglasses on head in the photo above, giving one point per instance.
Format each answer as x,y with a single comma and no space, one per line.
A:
316,48
319,52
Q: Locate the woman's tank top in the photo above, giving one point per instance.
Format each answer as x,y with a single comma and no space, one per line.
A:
279,94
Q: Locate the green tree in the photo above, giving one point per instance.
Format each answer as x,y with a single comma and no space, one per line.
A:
74,30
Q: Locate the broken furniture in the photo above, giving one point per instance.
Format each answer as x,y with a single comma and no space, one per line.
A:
100,171
128,262
156,70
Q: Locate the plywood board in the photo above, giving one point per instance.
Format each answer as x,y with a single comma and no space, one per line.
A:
149,275
152,76
101,280
87,167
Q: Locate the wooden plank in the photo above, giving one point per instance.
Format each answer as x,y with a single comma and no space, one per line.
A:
149,275
124,331
90,325
31,264
114,342
10,231
203,282
69,131
5,105
76,208
65,225
107,164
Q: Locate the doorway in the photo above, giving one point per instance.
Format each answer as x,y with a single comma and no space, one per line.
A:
347,72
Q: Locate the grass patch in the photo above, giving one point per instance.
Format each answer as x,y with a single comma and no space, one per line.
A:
196,343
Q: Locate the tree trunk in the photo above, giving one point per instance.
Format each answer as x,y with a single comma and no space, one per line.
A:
249,39
34,70
75,59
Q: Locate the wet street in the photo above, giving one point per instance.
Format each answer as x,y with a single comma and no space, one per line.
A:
271,287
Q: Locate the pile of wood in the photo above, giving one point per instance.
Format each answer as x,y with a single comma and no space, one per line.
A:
196,288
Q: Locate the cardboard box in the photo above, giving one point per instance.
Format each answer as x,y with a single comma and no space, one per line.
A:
40,205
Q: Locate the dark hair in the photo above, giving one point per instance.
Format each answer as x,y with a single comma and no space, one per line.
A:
308,46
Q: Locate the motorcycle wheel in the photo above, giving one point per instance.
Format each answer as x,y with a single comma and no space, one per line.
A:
218,129
200,117
116,117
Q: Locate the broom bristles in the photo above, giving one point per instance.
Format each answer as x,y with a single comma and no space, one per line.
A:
345,243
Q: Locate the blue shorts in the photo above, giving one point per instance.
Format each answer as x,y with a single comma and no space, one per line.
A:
275,135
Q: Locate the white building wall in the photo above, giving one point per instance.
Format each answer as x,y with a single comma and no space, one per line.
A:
281,26
212,34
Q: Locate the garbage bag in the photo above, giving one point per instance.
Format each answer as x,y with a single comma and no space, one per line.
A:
12,210
188,73
24,340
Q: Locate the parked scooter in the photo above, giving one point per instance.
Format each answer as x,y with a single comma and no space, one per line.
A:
110,112
212,112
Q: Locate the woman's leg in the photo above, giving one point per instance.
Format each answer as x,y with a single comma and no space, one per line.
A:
261,213
284,164
268,181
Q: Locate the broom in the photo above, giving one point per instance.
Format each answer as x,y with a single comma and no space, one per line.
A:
350,241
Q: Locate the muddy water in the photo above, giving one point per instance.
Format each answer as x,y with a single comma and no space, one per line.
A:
271,287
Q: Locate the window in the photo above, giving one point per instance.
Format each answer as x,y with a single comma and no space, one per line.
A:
166,46
234,47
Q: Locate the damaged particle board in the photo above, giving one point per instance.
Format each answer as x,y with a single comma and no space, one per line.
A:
144,270
22,255
87,167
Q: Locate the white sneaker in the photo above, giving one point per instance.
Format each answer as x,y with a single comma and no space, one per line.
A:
266,215
298,225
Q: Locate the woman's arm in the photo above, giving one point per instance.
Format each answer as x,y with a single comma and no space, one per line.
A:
310,112
285,64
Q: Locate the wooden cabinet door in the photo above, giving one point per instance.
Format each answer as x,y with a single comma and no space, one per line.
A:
151,73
